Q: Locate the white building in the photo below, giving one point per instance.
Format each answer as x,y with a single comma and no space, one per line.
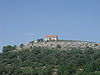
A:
51,37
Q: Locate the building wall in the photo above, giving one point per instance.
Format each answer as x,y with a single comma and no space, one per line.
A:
47,39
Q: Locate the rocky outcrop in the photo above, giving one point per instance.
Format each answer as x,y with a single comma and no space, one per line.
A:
63,45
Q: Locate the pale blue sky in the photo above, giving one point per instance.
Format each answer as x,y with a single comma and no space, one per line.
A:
22,21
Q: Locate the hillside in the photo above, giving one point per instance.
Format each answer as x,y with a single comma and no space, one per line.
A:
44,61
61,57
61,44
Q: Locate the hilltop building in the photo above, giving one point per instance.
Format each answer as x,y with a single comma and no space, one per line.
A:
51,37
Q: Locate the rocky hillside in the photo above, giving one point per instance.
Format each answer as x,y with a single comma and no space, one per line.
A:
62,45
51,58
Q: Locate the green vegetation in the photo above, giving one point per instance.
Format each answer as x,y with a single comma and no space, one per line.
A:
21,45
42,61
9,48
58,47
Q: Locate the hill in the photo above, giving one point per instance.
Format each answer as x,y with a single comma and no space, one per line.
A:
61,57
44,61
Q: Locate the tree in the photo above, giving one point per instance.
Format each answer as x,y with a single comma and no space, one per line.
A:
58,46
21,45
8,48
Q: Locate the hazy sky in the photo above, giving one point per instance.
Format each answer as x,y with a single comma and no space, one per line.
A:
22,21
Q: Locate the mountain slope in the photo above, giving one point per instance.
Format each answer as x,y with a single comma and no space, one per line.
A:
44,61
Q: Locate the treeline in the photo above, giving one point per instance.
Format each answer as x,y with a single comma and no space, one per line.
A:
10,48
42,61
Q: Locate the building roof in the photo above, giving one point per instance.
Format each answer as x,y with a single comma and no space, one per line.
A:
51,36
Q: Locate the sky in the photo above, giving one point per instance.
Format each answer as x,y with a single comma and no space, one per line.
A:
22,21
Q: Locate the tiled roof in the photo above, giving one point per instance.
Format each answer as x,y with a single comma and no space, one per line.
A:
51,36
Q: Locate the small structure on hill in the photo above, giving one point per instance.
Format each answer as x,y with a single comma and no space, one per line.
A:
38,40
51,37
